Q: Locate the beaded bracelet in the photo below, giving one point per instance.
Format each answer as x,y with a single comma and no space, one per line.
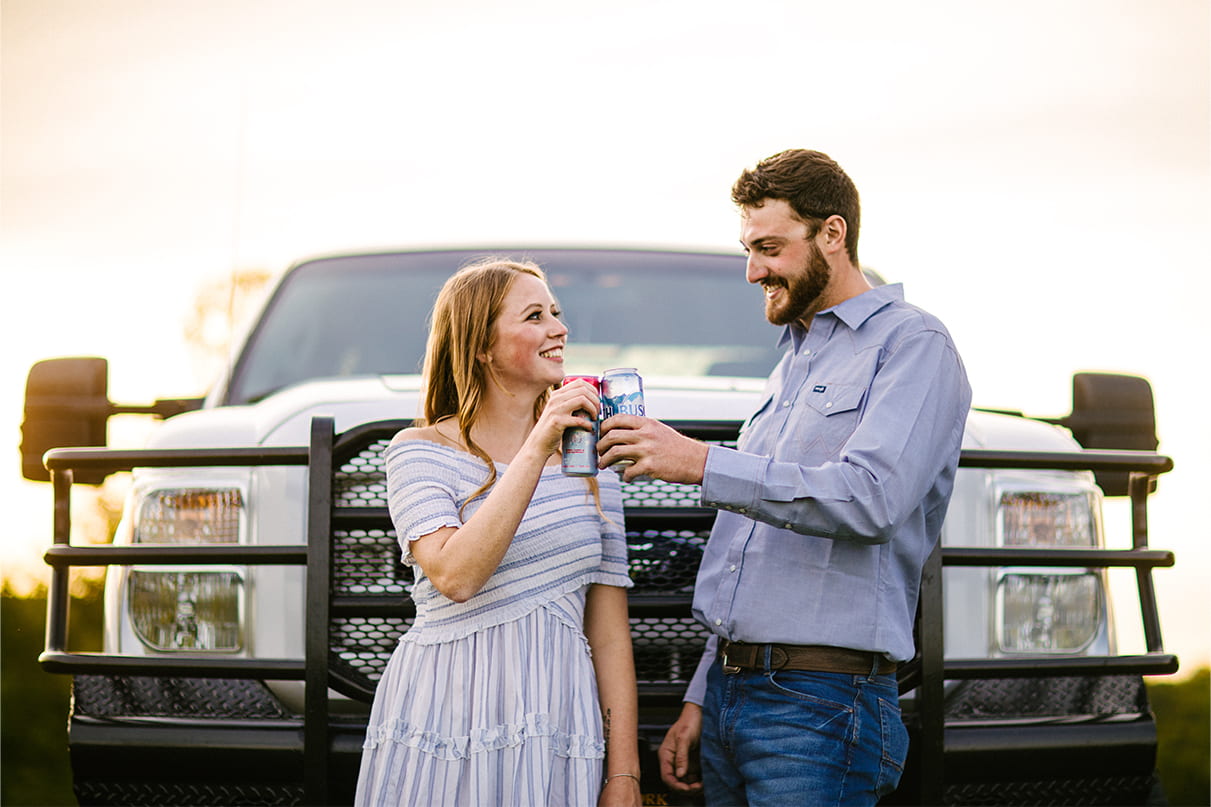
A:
616,775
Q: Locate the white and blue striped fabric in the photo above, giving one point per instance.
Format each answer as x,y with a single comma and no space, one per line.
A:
494,701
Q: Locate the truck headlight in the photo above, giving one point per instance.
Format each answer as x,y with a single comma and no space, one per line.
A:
1048,610
193,609
1044,518
1048,613
190,516
187,610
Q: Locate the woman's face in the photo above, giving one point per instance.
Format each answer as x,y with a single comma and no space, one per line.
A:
528,337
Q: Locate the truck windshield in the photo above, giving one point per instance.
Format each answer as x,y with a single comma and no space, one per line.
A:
664,313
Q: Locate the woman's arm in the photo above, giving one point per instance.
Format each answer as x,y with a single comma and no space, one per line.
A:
609,633
459,560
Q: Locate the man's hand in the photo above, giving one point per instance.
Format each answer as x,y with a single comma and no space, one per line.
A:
658,451
678,754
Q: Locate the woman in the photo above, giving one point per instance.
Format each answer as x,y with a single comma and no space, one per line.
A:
515,684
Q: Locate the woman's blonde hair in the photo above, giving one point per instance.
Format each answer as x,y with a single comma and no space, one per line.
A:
460,332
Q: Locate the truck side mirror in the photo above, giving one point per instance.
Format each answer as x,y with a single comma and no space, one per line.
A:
66,404
1112,412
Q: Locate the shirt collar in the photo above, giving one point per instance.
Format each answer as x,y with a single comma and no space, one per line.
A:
853,312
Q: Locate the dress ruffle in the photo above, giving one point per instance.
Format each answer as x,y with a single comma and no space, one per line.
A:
535,726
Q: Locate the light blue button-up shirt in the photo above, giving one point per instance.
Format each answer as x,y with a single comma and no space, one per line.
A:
836,494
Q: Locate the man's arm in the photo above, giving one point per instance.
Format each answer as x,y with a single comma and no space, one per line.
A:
910,431
678,753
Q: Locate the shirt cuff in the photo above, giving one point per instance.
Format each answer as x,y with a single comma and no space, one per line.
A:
696,692
732,479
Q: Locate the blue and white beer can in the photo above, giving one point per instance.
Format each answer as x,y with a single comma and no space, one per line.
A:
622,394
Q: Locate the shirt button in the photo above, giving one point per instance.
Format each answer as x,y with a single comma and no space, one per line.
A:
742,511
718,621
785,404
732,568
828,405
787,526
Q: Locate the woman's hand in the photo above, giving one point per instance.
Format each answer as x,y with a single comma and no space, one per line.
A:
558,415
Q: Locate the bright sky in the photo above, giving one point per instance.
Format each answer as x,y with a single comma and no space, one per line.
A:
1036,172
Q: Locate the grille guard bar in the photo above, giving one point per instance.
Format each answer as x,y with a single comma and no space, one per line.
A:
319,670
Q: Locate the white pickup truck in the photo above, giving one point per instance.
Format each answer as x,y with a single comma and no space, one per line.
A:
255,589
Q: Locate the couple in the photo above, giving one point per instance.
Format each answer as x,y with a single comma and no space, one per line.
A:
516,683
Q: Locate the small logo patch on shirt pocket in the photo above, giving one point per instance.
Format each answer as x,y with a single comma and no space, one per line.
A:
831,399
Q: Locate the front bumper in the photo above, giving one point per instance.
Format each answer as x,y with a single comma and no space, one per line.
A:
195,741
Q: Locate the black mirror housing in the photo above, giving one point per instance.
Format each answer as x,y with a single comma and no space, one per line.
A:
1112,412
66,404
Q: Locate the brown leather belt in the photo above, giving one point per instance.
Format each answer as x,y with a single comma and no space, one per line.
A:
737,656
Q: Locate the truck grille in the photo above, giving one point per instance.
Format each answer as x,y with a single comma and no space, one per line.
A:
663,564
361,482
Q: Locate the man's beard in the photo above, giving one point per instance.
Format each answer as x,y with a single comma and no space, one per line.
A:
803,291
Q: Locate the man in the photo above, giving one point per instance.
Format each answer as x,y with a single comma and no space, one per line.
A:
828,509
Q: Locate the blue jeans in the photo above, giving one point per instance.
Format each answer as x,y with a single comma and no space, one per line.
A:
802,738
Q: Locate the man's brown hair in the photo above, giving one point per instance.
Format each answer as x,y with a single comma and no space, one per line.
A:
812,184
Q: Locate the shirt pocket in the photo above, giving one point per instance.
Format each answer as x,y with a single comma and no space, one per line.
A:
830,416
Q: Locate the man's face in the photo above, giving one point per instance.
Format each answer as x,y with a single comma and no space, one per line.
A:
784,262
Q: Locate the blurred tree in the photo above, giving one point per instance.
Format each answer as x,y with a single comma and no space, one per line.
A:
34,766
221,311
1183,728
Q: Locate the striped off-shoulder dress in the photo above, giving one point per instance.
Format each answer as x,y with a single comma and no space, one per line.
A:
494,701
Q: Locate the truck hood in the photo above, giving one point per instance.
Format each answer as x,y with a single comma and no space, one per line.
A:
285,417
1001,432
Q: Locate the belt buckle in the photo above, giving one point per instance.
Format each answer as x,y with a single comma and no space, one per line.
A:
728,669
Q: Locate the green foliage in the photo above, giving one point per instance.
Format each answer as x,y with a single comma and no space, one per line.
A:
1183,726
34,766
